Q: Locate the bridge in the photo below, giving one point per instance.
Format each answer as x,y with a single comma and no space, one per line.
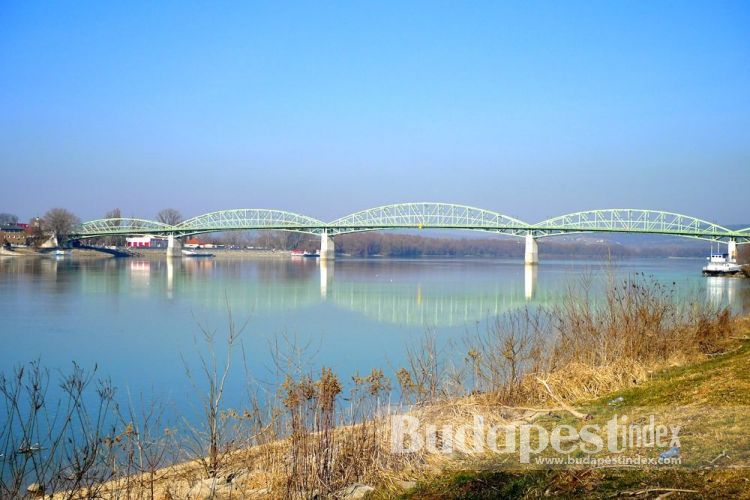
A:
424,215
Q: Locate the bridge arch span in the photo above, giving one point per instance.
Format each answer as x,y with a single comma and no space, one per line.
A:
245,219
630,220
120,226
427,215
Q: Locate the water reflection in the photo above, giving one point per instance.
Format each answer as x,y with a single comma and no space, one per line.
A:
530,273
407,292
326,277
725,290
170,278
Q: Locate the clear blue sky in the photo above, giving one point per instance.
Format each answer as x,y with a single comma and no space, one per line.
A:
533,109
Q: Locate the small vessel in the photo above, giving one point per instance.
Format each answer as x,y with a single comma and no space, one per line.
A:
61,253
721,264
194,253
304,253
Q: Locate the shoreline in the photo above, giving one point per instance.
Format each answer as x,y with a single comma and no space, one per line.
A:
278,254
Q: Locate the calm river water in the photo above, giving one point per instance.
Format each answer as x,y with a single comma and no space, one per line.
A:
138,319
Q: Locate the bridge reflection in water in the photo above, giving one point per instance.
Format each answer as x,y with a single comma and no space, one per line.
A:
418,293
385,293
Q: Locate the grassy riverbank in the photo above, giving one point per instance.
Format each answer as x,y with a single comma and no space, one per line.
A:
710,400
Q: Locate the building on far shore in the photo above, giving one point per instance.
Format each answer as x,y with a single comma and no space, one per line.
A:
145,242
18,233
199,243
13,236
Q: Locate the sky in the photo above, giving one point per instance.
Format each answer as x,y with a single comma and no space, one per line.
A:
531,109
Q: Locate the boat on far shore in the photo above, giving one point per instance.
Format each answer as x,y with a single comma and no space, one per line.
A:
196,253
304,253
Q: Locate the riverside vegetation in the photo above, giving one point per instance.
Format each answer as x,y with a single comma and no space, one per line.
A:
321,436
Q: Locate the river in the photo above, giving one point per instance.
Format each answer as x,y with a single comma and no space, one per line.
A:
138,319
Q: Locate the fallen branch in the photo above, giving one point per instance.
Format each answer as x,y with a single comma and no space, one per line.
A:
562,403
720,455
658,490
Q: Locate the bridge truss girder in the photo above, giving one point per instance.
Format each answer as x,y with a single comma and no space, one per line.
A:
629,220
423,215
428,215
250,219
120,227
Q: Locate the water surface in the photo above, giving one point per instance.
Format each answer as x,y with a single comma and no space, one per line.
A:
138,319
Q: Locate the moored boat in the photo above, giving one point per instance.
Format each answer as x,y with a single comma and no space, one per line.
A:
194,253
721,264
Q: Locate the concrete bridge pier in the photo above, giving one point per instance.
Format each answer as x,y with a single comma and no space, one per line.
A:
51,242
732,249
531,255
327,247
174,246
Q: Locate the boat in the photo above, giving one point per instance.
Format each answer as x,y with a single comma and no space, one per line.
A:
721,264
304,253
194,253
61,253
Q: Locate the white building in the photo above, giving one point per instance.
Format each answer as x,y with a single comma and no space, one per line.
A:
145,242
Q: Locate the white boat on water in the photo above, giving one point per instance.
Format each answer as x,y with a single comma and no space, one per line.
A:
304,253
721,264
195,253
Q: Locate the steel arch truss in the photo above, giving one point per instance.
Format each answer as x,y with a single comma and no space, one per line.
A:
423,215
120,226
249,219
628,220
427,215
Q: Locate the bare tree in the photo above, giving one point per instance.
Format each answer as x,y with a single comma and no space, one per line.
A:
215,373
60,221
113,214
169,216
114,240
8,219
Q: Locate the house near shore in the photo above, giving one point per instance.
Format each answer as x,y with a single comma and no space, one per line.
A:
18,234
199,243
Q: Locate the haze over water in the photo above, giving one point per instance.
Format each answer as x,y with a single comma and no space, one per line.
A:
138,318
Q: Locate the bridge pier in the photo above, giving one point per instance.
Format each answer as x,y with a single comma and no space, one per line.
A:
531,256
174,247
732,249
51,242
327,247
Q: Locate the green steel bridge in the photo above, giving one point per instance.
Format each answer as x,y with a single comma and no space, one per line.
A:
424,215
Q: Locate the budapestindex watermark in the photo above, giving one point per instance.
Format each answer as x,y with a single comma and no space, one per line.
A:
410,435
